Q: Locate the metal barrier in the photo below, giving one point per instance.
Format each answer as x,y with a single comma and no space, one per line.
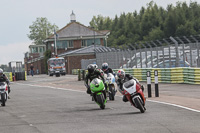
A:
80,72
20,76
165,53
9,75
165,75
16,76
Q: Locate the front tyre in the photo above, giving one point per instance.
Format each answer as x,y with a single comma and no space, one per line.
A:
100,100
111,93
3,99
57,74
139,105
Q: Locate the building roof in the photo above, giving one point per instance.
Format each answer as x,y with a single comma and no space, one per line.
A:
81,51
77,30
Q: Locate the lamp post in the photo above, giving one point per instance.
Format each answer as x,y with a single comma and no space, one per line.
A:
27,59
31,62
94,37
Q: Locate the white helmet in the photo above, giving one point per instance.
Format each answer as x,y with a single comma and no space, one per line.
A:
121,74
95,65
104,66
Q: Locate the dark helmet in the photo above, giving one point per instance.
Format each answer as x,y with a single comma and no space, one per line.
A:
121,74
104,66
91,68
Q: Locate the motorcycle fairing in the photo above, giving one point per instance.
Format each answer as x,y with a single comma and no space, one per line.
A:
130,86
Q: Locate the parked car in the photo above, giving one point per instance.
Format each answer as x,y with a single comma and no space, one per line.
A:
173,64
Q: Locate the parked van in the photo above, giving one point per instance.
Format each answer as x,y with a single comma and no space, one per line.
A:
56,66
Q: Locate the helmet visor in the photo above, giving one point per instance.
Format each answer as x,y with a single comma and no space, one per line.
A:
90,70
121,76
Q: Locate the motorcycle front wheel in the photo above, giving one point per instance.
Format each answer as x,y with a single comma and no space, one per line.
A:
111,93
3,100
100,100
139,104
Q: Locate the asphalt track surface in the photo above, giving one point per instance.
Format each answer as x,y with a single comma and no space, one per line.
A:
44,104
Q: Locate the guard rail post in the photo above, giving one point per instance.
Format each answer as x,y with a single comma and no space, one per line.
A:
149,83
83,74
156,83
79,75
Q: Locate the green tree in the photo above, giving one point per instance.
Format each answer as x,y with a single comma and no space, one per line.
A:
5,68
40,30
151,23
154,34
186,30
170,24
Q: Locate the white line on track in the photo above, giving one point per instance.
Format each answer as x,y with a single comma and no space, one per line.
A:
183,107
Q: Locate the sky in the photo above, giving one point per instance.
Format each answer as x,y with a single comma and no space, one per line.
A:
17,15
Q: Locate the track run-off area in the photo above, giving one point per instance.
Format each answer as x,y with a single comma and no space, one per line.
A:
44,104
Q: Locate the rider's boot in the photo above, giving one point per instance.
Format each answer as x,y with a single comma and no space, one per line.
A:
88,91
142,87
124,98
104,92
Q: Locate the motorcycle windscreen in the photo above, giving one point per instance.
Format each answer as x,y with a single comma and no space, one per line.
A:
96,85
129,83
112,78
130,86
2,83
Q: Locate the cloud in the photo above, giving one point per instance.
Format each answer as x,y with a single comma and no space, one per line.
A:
13,52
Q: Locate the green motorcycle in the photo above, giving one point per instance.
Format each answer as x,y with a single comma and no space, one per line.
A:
98,92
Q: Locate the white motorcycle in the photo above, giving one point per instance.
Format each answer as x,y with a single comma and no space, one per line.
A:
4,93
110,81
133,92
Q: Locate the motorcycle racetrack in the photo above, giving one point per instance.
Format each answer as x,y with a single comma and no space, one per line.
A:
44,104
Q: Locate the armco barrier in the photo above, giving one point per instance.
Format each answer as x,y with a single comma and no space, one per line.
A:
9,75
20,76
80,72
165,75
16,75
197,75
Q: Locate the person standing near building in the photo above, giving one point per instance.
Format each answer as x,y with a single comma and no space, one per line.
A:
32,71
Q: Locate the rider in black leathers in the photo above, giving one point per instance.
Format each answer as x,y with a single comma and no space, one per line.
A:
92,73
106,69
3,78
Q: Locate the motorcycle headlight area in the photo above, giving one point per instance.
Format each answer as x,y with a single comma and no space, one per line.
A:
2,90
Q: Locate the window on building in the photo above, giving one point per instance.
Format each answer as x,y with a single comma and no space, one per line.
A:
61,44
83,43
91,41
70,44
41,49
34,50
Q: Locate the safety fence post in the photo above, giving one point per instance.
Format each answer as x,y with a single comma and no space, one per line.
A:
83,74
79,75
156,83
149,83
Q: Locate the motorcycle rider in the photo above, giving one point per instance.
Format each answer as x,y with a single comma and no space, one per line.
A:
93,73
96,67
106,69
122,78
3,78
